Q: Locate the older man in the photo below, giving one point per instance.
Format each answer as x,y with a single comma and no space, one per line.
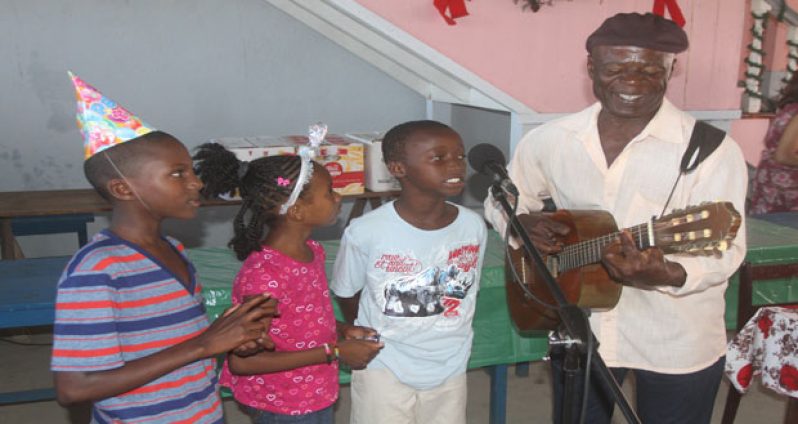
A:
622,155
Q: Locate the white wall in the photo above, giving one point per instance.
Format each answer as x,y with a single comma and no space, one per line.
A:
198,69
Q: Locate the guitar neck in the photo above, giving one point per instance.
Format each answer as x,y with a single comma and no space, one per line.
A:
589,251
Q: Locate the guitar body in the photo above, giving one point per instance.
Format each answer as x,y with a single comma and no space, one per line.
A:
588,286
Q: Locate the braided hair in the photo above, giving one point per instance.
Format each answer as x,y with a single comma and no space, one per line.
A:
256,182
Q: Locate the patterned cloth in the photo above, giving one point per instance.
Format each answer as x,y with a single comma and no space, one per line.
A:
115,304
775,186
306,321
767,345
102,122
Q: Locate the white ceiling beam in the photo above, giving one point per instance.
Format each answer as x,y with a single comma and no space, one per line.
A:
439,90
401,56
430,55
398,54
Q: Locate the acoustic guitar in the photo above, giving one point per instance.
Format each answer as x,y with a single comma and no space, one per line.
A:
706,229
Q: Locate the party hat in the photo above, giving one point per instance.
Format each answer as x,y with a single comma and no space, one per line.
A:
102,122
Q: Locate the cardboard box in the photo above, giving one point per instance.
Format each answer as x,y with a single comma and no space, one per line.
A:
248,149
377,176
343,157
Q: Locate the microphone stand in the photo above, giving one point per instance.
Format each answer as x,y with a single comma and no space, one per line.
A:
574,322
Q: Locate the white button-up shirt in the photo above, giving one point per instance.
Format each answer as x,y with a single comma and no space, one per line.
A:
665,329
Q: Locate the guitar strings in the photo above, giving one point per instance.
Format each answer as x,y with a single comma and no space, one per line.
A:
587,252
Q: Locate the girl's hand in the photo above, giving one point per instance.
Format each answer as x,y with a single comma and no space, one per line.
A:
356,332
237,326
358,353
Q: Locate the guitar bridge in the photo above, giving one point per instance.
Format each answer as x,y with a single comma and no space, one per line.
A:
552,264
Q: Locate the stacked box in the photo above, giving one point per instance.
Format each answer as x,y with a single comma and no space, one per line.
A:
248,149
377,176
341,156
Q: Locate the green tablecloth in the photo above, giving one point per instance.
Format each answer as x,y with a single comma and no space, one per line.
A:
496,340
768,244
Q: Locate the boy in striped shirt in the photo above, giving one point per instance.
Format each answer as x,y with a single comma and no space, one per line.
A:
131,334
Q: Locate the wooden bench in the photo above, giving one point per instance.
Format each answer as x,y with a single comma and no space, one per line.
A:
57,224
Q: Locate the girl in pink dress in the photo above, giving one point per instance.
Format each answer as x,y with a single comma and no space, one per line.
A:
775,184
295,378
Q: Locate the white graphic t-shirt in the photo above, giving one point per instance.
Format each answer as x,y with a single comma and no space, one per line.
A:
419,290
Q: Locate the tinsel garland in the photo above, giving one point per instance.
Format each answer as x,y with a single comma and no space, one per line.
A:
755,63
792,54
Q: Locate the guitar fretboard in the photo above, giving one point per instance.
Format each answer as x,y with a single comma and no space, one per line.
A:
589,251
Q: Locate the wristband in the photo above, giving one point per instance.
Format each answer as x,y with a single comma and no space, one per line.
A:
337,353
328,353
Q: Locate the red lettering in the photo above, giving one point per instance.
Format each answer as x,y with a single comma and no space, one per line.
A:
450,307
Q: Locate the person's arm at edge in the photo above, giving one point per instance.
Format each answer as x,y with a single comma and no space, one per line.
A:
349,307
227,332
348,278
353,352
267,362
787,149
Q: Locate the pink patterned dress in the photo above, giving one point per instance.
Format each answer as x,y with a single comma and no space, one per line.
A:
306,321
775,186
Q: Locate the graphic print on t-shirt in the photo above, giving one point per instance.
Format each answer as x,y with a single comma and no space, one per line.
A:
436,289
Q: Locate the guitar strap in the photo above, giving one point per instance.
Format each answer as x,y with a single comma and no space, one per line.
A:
704,140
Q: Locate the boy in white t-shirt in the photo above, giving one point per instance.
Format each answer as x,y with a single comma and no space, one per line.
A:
410,270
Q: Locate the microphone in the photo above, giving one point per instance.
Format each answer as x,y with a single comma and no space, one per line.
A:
487,159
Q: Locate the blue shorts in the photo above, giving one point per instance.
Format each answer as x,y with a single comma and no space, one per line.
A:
259,416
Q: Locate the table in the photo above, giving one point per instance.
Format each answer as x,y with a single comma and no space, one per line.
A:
768,244
768,346
788,219
29,301
18,204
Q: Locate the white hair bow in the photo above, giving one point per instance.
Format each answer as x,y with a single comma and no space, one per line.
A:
307,153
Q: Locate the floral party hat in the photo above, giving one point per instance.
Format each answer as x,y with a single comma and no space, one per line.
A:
102,122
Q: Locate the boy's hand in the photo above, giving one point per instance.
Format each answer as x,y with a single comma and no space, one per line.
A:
264,341
358,353
237,326
269,306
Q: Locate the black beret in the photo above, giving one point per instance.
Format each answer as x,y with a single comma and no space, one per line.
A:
649,31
